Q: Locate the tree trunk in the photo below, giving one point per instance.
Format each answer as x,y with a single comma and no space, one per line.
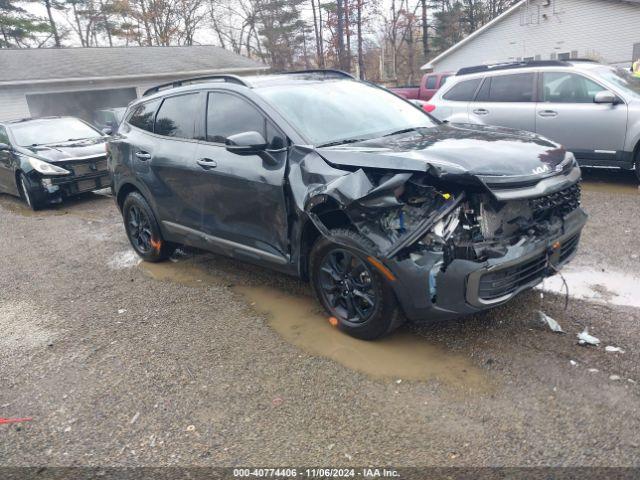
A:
105,19
347,31
359,32
52,23
425,31
342,58
319,59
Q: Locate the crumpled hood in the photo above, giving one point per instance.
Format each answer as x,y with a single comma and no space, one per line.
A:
454,148
67,150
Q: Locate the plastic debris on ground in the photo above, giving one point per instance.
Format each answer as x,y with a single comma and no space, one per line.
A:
15,420
610,348
573,362
584,338
550,322
614,377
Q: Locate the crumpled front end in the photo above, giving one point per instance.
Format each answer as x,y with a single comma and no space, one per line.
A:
455,243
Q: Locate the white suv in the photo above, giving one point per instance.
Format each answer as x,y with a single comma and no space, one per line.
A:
591,109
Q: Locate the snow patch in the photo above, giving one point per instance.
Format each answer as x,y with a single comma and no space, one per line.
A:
612,287
124,260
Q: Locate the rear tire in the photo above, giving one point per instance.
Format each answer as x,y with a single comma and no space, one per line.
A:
27,192
351,289
637,169
143,230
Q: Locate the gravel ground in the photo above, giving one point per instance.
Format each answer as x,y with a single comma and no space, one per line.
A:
210,362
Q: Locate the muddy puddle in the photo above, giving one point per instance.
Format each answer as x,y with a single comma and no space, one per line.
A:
301,322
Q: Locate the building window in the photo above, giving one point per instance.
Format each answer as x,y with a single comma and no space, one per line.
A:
564,56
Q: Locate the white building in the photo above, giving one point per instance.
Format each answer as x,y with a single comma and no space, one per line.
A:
36,82
604,30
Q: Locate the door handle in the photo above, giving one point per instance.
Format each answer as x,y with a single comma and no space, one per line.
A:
207,163
481,111
548,113
142,155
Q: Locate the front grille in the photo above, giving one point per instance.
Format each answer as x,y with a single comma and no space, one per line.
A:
88,167
559,203
494,285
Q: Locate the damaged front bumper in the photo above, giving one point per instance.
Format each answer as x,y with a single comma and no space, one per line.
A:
54,189
466,287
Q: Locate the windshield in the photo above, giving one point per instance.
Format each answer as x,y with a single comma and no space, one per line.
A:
622,79
51,130
334,111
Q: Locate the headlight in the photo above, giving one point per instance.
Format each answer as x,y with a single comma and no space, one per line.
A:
46,168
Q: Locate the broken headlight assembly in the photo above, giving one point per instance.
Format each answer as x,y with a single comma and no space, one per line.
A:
46,168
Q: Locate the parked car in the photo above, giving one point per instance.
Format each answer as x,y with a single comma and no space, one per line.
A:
429,85
108,119
388,212
45,160
591,109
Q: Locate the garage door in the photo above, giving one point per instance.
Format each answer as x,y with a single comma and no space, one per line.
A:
81,103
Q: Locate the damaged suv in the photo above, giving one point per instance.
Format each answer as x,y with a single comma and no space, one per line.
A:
389,213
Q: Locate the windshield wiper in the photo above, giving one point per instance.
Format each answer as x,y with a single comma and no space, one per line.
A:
342,142
404,130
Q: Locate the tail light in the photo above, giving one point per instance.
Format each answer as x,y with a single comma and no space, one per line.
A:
428,107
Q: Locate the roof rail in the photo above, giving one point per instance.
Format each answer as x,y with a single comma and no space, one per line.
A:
188,81
511,65
327,71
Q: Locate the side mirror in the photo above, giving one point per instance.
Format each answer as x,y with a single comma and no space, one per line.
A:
246,143
605,96
107,130
4,147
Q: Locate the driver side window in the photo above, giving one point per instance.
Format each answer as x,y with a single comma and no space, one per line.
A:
228,115
559,87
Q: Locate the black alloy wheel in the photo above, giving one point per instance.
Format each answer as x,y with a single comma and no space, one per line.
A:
349,286
139,229
143,231
346,283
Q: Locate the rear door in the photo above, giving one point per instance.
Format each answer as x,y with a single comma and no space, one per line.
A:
175,178
507,101
244,201
567,114
452,105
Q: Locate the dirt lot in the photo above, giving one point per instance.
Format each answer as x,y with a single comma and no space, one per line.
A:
207,361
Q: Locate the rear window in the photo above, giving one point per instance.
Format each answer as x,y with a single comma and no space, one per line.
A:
508,88
176,117
432,81
143,116
463,91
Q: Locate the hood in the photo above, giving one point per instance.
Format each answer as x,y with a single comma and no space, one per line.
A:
454,148
67,150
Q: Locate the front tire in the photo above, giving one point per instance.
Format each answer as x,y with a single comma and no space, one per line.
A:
143,231
27,192
351,289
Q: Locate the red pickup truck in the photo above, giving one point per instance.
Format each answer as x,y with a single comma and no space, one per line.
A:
429,85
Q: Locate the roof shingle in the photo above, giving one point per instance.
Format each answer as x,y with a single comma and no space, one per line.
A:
23,65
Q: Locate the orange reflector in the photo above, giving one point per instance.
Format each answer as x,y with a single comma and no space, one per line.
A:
556,245
156,244
382,269
333,321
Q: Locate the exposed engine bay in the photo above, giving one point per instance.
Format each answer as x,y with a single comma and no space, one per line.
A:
406,214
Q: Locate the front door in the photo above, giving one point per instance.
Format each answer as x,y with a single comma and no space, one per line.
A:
244,201
567,114
506,101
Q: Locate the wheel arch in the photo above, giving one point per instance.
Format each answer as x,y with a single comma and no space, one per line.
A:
331,216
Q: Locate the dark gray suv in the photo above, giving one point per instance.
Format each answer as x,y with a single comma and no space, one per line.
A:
389,213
